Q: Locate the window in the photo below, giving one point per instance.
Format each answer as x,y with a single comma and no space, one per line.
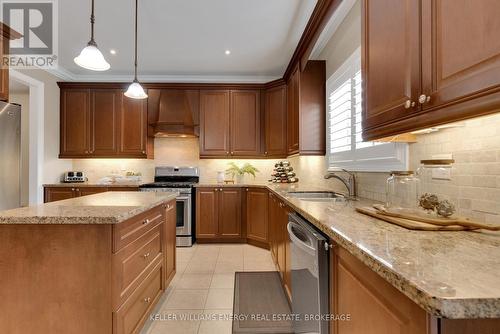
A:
345,146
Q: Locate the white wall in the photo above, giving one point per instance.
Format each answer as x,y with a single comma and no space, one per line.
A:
53,167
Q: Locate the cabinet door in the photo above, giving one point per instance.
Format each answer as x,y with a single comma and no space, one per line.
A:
375,306
293,105
276,134
207,219
105,107
390,60
272,221
133,128
230,213
245,123
58,194
75,141
257,214
85,191
287,271
461,53
214,123
169,238
280,238
4,70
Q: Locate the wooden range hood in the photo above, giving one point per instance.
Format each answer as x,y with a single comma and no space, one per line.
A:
173,113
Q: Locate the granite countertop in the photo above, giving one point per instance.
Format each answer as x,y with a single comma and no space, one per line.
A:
87,184
103,208
449,274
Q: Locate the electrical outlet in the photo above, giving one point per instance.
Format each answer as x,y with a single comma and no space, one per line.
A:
441,173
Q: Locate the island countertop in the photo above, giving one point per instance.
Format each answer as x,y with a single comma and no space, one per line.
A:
453,275
103,208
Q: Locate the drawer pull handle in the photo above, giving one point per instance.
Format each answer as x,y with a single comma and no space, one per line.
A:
146,255
147,300
146,221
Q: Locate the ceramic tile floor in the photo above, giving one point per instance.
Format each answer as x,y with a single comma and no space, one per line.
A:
203,288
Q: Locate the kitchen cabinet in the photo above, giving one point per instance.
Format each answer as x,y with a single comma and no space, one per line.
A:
109,277
374,305
52,194
257,216
276,122
306,130
6,35
218,214
245,125
102,123
170,241
214,123
279,240
434,70
230,123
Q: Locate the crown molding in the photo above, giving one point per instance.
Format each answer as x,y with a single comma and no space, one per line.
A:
331,27
66,75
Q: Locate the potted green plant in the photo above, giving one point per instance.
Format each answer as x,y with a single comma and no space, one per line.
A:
240,172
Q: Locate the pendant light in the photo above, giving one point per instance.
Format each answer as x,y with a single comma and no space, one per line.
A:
91,58
135,90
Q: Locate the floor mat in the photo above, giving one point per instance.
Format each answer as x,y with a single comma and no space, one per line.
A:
260,304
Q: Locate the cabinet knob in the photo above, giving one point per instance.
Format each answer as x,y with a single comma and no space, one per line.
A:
247,189
265,153
145,256
216,189
227,153
232,153
409,104
145,221
86,152
143,152
423,99
147,300
220,189
72,189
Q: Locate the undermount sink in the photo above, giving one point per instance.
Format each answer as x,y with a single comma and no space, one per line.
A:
316,196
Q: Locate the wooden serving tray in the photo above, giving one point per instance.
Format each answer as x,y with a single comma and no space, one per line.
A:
411,224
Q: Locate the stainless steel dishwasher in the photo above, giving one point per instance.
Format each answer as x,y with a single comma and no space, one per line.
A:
309,257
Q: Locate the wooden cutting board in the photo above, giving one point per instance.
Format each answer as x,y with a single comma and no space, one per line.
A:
411,224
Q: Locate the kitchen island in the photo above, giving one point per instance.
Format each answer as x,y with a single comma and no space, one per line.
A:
93,264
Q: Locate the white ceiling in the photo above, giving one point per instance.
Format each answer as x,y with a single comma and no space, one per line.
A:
185,40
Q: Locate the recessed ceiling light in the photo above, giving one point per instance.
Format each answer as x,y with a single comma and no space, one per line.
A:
227,52
112,51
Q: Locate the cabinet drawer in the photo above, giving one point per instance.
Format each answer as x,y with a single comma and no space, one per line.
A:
130,263
132,229
131,316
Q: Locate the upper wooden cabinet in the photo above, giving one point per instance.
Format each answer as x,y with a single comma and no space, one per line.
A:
306,110
103,123
276,122
433,62
6,34
245,123
230,123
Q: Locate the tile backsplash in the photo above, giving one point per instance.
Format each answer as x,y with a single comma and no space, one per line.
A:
474,144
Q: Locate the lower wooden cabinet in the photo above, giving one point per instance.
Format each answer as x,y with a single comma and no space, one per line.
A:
257,215
53,194
279,240
170,241
218,214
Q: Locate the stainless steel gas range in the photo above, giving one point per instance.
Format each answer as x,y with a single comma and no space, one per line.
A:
181,180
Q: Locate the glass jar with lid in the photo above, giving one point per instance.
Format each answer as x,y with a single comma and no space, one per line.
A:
438,192
402,192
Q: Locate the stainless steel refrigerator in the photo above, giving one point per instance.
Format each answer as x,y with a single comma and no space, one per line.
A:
10,156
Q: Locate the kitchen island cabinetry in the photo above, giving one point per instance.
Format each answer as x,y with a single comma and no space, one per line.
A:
103,273
58,193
